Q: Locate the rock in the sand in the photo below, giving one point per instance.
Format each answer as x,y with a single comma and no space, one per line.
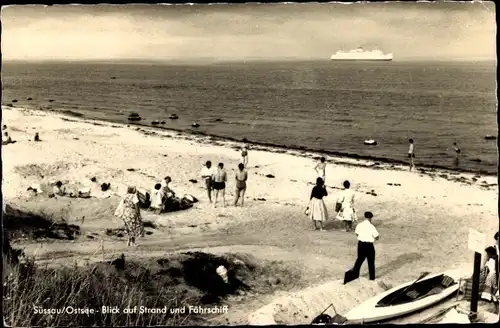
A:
193,180
261,199
155,122
163,122
475,160
173,117
195,125
51,100
244,140
113,78
131,170
490,137
134,117
37,137
218,120
93,179
29,98
105,186
84,193
270,176
14,100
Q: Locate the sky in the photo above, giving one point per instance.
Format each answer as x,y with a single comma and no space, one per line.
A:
412,31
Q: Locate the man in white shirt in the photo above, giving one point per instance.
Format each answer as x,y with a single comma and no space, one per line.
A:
367,234
207,173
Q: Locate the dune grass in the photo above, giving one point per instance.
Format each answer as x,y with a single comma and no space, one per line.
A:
29,290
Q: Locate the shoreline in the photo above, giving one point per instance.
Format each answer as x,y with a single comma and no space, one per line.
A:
335,157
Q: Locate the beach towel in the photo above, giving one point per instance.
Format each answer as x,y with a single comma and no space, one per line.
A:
120,210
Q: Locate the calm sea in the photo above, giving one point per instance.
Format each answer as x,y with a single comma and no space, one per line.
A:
330,106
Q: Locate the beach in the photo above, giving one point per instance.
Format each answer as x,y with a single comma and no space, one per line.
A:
423,217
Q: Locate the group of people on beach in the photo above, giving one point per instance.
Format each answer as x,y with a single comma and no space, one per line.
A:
216,179
215,182
163,199
317,210
411,153
365,231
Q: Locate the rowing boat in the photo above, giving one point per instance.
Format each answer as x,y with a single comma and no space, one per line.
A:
406,298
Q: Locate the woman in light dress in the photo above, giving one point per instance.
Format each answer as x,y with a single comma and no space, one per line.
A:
347,213
317,208
130,213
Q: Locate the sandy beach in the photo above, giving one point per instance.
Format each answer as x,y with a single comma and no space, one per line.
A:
423,217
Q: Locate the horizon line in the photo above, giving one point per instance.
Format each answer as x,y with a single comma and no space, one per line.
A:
241,60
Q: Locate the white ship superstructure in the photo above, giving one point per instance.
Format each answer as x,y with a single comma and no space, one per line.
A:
360,54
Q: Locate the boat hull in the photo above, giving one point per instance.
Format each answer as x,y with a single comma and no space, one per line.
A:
369,312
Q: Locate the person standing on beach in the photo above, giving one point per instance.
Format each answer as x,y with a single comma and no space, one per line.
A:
206,173
347,213
317,208
367,234
241,177
320,168
244,155
220,179
130,213
411,154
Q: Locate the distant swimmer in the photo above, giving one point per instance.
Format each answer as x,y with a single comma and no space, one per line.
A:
411,154
320,168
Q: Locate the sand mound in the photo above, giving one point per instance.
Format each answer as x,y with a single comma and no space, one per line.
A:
301,307
20,225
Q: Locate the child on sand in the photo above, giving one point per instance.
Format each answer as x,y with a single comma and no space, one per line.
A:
320,168
241,184
411,154
244,155
220,178
157,199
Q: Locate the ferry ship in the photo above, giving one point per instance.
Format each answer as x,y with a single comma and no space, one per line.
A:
361,54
